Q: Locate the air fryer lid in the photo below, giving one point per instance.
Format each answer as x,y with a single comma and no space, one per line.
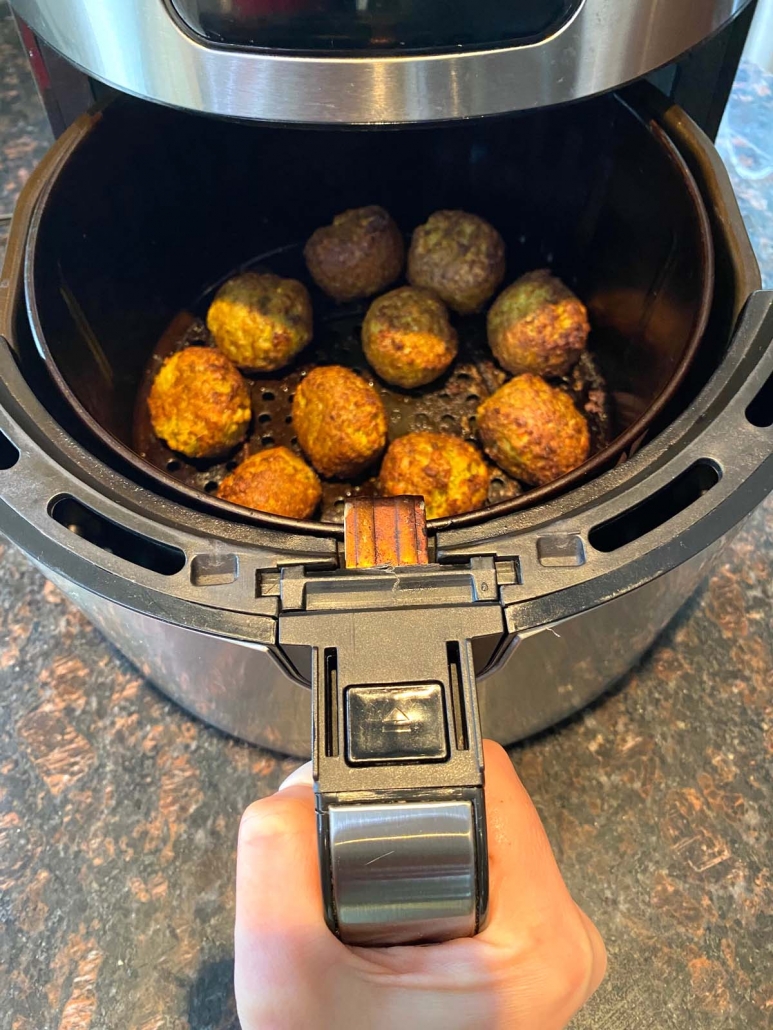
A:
155,206
394,61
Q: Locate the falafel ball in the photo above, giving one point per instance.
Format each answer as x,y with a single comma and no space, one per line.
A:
261,321
199,403
274,480
359,254
449,473
460,257
340,421
537,325
407,338
533,430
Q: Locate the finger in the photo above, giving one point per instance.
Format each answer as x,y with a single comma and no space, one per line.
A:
532,911
526,886
526,889
280,932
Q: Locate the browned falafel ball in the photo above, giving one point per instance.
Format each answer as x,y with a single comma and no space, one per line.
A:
261,321
533,430
460,257
407,338
449,473
199,403
340,421
359,254
274,480
537,325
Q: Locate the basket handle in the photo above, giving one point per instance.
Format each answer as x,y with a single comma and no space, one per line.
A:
398,758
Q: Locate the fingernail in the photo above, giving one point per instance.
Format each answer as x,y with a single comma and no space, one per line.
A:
300,777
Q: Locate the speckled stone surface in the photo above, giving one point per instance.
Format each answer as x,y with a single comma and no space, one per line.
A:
24,132
118,812
745,142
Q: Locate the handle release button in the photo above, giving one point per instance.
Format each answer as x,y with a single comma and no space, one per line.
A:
396,723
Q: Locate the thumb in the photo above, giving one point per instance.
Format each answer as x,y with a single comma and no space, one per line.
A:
280,926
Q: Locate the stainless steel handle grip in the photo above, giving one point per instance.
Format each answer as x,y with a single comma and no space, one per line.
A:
403,872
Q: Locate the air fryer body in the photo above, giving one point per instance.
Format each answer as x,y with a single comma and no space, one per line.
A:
582,584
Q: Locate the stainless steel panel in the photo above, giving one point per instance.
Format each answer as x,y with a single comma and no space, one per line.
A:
138,47
242,688
403,872
550,673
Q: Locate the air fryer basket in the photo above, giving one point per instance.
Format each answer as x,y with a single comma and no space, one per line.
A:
155,207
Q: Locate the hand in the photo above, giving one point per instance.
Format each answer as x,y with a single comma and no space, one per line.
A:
533,966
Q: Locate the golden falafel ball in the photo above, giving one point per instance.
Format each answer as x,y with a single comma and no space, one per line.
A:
199,403
274,480
458,256
340,421
361,253
261,321
533,430
537,325
449,473
407,338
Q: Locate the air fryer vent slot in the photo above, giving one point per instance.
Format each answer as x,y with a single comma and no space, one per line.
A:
760,410
8,453
658,509
115,539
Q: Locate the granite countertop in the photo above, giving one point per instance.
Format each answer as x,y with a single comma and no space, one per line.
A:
118,812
